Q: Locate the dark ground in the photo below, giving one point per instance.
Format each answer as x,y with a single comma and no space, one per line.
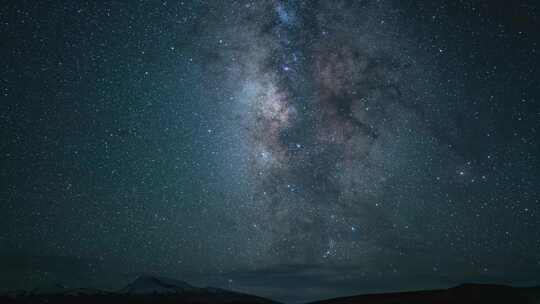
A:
467,293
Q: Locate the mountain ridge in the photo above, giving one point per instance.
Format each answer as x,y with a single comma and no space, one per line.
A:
155,289
146,284
144,289
467,293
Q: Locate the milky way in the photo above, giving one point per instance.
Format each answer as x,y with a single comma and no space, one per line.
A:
345,137
292,149
320,106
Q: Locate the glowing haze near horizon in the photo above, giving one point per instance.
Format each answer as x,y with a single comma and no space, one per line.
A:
293,149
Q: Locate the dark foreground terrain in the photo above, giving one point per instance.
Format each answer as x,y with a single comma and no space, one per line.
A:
160,290
463,294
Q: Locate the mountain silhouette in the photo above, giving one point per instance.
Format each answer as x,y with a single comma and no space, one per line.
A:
144,289
150,289
462,294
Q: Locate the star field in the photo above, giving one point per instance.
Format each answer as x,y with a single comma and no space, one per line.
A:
338,147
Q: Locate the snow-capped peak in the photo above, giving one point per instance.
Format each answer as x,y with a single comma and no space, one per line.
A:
157,285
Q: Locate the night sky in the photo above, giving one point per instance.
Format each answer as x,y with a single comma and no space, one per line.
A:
293,149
